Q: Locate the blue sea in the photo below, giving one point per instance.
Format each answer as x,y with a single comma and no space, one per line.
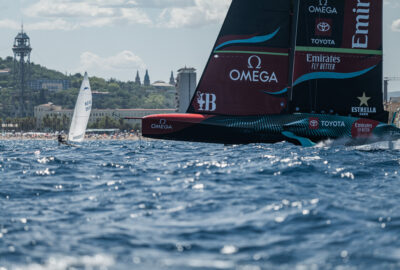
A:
175,205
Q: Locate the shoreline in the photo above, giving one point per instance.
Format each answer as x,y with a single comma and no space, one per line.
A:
29,136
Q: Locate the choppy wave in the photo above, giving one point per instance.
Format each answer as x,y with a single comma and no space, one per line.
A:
172,205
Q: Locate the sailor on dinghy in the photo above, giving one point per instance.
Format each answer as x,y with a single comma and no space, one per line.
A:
81,115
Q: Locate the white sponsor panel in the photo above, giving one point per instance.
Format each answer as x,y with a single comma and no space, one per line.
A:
314,123
163,125
322,7
364,127
207,102
323,41
323,62
324,26
360,37
363,111
333,124
254,72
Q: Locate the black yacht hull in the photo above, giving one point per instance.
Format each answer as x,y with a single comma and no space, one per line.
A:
300,129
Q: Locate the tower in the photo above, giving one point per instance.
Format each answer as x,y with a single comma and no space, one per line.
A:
185,87
137,80
146,81
22,58
172,79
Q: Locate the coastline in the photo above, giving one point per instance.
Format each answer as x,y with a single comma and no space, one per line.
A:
29,136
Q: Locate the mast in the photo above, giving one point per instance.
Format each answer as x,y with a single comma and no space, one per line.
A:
295,4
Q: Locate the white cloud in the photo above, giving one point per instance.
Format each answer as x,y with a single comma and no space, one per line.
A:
396,26
74,14
9,24
163,3
56,24
71,14
51,8
113,66
133,16
202,13
392,3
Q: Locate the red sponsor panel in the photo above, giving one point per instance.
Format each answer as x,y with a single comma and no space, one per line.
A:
237,82
317,62
363,128
313,123
363,24
170,123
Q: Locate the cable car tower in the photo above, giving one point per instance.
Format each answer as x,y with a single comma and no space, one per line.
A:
22,59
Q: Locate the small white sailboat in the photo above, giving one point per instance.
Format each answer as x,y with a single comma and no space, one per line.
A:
83,107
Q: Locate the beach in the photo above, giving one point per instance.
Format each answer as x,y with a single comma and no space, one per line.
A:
53,136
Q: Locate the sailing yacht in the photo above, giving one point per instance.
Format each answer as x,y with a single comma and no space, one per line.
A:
301,71
82,111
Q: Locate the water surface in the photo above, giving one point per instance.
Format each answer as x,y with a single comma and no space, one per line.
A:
173,205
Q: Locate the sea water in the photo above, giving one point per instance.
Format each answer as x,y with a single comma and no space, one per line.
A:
174,205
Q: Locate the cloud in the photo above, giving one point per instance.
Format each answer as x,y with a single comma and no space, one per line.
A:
396,26
74,14
111,66
392,3
164,3
10,24
51,8
202,13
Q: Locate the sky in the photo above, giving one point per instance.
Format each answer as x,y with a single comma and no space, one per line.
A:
115,38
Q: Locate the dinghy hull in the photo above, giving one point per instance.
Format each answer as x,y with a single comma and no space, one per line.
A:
300,129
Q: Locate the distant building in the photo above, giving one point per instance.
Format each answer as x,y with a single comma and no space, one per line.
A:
393,107
162,85
99,96
185,86
172,79
4,71
22,68
146,81
51,85
50,110
137,79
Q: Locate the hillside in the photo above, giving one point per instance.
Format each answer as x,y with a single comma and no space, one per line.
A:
121,95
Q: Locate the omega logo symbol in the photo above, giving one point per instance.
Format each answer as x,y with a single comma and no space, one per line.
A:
254,72
258,66
323,3
162,125
324,27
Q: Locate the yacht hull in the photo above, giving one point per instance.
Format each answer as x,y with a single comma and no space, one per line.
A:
300,129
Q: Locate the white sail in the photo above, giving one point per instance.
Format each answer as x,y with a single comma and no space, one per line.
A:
82,111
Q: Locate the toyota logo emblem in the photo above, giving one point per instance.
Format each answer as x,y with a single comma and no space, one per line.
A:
324,27
313,123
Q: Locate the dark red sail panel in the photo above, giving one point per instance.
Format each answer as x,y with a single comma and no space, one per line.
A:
249,63
338,59
363,24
